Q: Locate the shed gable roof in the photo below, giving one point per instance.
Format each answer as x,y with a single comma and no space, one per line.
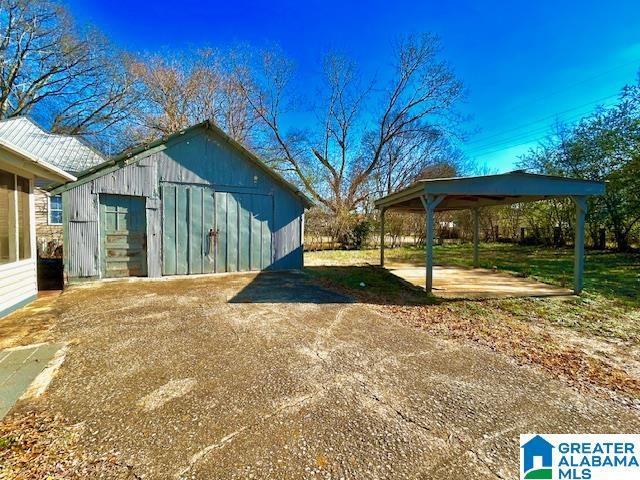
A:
65,152
141,151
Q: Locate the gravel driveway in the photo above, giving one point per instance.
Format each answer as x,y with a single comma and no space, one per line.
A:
267,376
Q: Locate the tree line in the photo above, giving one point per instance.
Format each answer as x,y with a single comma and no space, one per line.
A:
344,136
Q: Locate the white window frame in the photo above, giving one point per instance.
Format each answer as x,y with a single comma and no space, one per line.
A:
49,221
14,224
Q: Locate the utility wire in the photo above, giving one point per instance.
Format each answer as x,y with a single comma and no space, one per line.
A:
542,119
533,134
573,85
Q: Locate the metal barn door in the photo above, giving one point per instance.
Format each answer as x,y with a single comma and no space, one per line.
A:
124,236
206,231
244,222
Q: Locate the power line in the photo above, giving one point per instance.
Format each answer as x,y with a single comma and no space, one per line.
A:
535,133
501,149
573,85
526,137
542,119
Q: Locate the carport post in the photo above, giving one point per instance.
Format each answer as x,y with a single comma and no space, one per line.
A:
476,237
382,210
429,203
578,265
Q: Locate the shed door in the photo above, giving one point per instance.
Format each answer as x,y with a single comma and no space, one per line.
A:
241,224
124,236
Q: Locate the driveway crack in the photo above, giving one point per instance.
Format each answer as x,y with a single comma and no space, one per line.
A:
374,396
322,336
201,454
488,466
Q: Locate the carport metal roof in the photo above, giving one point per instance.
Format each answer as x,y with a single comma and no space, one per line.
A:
488,190
444,194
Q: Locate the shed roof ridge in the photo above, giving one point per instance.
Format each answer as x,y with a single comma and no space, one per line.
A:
143,150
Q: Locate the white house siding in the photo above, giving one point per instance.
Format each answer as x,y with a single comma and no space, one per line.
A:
19,280
18,284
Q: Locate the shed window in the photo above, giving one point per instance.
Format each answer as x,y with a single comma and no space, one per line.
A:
15,218
55,210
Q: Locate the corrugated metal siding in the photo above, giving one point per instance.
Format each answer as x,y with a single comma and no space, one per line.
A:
137,179
205,160
82,204
195,160
229,171
82,250
64,151
81,234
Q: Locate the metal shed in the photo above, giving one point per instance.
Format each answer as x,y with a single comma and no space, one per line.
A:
443,194
194,202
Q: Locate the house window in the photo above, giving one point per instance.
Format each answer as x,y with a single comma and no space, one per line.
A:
15,218
55,210
24,220
7,183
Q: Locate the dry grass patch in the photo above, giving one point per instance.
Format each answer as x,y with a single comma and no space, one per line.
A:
43,446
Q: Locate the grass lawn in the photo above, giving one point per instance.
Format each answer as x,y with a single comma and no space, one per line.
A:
614,275
591,340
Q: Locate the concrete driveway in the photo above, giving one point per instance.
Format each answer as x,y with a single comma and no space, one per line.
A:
266,376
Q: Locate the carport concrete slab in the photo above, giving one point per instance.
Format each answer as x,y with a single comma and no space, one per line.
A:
19,366
460,282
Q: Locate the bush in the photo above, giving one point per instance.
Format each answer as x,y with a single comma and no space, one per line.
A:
360,232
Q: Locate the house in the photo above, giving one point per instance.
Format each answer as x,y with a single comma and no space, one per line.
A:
193,202
19,170
64,152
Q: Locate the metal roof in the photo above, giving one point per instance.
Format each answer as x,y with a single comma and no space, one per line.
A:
487,190
138,152
65,152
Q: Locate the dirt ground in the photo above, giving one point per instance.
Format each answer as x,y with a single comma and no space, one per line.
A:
268,376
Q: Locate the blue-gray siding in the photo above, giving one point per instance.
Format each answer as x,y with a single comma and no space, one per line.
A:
198,158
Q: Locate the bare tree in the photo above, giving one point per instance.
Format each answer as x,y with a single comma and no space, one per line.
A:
48,65
412,157
358,122
183,89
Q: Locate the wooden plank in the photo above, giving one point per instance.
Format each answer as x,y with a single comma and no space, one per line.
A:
182,234
123,235
244,231
232,233
169,230
195,230
221,225
208,222
267,222
256,234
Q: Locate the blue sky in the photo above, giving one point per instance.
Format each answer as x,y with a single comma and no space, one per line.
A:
525,64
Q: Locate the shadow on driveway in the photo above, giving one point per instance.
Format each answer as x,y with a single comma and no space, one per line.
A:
274,287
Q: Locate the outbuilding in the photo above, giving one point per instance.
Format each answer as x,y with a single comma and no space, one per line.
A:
193,202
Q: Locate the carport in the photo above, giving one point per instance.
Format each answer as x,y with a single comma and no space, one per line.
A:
446,194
